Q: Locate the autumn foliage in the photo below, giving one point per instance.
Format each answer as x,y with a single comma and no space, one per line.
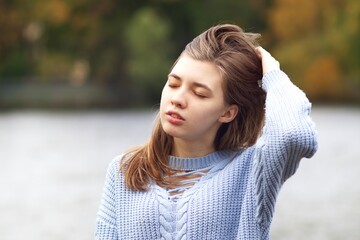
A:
318,43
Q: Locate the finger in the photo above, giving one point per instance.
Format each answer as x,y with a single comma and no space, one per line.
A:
264,52
258,51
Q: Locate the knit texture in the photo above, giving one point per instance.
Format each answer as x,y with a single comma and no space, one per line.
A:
235,199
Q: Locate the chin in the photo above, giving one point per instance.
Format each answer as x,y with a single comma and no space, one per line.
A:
170,131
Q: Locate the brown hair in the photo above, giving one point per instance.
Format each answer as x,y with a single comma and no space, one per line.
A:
233,51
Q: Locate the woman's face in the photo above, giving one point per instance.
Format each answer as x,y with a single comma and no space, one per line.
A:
192,102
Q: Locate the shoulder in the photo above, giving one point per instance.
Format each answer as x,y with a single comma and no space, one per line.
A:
115,178
114,167
242,159
115,163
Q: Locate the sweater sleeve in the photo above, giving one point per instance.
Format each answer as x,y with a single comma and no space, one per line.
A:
106,217
289,134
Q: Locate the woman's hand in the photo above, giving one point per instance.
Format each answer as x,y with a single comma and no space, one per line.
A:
269,63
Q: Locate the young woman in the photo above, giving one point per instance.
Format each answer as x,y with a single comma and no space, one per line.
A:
231,129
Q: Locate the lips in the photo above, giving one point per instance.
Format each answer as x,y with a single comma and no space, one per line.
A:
175,117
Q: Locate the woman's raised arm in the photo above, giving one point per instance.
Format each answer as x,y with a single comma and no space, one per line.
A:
289,134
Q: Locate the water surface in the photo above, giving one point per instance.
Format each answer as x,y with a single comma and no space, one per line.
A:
52,168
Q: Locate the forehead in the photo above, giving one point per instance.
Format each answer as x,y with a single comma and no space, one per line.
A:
189,69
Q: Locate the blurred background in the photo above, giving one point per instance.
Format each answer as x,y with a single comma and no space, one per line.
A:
80,82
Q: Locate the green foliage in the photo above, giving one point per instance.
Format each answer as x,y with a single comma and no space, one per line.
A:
147,38
15,67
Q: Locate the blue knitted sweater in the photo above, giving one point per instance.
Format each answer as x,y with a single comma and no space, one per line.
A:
235,199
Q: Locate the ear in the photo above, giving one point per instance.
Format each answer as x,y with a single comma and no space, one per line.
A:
229,114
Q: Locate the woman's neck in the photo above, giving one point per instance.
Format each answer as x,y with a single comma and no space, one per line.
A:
188,149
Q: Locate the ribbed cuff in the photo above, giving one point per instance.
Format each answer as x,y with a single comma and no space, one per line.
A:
274,78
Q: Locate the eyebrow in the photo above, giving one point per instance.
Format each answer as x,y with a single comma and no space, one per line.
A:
195,83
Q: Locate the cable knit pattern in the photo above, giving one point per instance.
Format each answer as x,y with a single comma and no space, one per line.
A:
167,214
235,199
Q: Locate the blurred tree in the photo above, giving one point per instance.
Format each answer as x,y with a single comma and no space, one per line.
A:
189,18
323,75
127,45
13,59
147,38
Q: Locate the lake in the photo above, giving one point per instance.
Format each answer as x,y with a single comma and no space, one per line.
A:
53,164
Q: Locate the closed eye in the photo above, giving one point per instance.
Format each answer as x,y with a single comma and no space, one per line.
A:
172,84
200,94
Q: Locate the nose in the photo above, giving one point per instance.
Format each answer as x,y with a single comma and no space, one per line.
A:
178,99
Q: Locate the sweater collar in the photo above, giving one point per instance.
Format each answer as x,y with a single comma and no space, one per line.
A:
211,159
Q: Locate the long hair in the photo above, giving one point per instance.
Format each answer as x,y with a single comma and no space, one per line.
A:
233,52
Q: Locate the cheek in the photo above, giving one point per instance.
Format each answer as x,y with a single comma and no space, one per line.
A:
210,113
164,98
